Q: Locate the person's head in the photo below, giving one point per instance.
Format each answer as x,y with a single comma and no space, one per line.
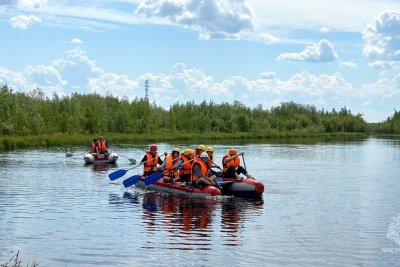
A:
94,140
201,148
210,151
101,138
188,153
175,152
204,156
153,149
232,152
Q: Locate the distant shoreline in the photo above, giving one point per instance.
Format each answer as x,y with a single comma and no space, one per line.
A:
9,143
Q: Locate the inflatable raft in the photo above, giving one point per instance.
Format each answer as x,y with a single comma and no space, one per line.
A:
247,188
180,189
90,158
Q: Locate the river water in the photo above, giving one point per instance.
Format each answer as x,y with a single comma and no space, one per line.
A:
325,204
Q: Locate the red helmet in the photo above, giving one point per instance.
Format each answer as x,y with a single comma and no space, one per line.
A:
153,147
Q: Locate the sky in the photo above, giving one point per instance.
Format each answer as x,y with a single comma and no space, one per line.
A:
330,54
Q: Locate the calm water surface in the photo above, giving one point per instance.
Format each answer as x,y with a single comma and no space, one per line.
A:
325,204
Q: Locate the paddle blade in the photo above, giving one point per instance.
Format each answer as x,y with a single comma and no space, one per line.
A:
131,181
153,178
117,174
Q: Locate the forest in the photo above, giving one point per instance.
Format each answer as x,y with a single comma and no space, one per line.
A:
33,113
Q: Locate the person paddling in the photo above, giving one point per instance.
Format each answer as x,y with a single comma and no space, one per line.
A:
171,173
151,161
231,164
102,146
201,172
185,165
93,146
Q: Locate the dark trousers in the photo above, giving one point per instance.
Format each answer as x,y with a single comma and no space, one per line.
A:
185,178
230,172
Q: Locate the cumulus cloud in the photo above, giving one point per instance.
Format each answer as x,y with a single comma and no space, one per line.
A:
77,68
76,41
382,37
348,65
322,51
22,22
76,72
214,19
268,38
324,30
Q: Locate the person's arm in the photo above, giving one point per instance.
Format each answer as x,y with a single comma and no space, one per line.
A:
180,165
160,161
144,159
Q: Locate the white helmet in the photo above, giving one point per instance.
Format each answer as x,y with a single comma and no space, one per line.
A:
203,155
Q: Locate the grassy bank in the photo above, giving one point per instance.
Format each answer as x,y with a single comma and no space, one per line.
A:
8,143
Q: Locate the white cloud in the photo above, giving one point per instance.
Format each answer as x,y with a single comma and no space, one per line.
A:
321,52
270,75
324,30
382,37
31,3
348,65
76,41
214,19
338,15
76,72
22,22
76,67
268,38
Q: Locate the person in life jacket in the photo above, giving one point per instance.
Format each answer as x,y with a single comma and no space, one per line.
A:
199,150
201,172
151,161
231,164
171,173
93,146
211,163
185,165
102,146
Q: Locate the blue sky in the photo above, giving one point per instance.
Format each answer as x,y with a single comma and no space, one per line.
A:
325,53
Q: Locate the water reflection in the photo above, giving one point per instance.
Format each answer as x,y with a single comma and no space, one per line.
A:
190,223
101,167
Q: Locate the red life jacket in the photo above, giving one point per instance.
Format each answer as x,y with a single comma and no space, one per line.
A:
171,163
204,169
151,162
187,166
235,162
101,146
93,148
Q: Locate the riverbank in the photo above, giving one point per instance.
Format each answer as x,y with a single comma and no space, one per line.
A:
8,143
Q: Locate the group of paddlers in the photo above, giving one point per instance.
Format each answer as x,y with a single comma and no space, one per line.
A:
195,166
99,146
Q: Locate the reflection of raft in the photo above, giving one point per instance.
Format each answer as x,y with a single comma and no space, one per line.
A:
248,188
179,189
101,158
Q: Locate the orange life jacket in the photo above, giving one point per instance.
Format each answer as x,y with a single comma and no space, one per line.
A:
171,163
101,146
151,162
235,162
204,169
187,166
93,148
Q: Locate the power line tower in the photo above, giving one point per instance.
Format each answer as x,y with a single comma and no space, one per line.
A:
146,89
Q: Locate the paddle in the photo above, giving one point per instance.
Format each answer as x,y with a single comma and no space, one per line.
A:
244,162
119,173
131,181
133,161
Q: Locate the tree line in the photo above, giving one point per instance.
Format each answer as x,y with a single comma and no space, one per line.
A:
33,113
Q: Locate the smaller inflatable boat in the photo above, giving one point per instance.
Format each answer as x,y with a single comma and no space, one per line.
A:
90,158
